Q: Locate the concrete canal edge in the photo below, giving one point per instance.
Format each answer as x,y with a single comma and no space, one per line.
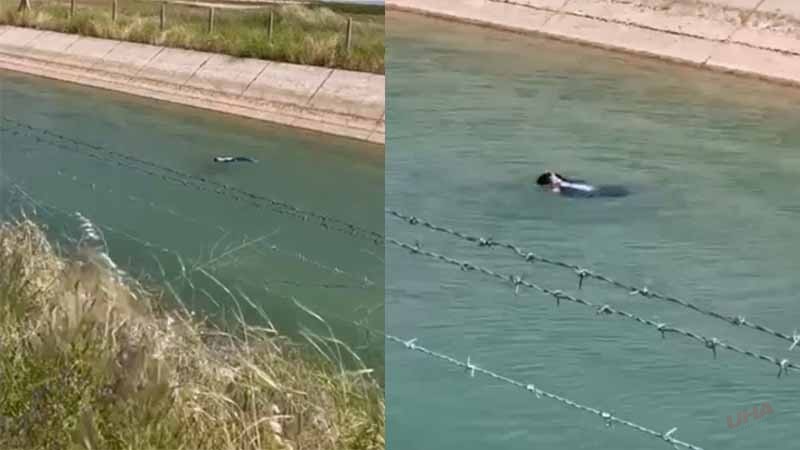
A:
332,101
756,38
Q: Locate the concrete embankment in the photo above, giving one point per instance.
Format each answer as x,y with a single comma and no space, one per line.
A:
752,37
332,101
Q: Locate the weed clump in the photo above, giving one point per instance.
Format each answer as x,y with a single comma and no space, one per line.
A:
89,360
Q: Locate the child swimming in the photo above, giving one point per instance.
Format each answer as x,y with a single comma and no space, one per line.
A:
577,188
228,159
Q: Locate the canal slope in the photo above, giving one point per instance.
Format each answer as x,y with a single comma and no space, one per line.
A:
758,38
332,101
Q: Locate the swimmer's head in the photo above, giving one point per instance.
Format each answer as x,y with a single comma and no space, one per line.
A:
545,179
549,179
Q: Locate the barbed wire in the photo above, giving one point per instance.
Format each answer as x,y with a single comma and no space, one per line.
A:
42,205
91,234
360,323
362,282
472,369
582,274
150,245
663,328
609,418
104,154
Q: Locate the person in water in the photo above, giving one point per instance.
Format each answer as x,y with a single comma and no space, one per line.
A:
577,188
229,159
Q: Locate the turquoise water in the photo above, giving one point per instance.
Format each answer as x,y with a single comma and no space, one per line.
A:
143,172
713,164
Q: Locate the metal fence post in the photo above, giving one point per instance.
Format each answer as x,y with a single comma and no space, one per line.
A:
163,16
114,6
211,20
71,9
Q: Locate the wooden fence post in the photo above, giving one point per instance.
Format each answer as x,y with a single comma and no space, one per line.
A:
349,32
211,20
271,23
163,16
114,6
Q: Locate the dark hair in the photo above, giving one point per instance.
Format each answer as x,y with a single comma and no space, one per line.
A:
544,179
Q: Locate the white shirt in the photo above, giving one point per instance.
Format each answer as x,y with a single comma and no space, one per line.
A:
558,183
577,186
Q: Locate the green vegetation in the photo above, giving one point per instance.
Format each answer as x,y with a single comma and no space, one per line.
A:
312,35
89,361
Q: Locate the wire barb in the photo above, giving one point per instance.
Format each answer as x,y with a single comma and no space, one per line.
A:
668,435
517,282
531,257
470,367
605,309
559,295
485,242
582,274
712,344
783,367
532,388
644,292
113,157
608,417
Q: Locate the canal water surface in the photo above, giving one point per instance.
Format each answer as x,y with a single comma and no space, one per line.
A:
713,165
297,226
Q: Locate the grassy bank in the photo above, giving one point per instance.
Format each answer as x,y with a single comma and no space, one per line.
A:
89,361
310,35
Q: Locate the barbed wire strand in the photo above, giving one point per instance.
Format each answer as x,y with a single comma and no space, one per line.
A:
582,273
472,369
517,282
97,148
91,233
363,282
147,244
361,323
110,156
40,204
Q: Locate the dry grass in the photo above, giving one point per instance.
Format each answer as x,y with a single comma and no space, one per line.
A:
90,361
302,34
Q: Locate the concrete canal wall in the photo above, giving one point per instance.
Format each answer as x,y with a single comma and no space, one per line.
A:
752,37
333,101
